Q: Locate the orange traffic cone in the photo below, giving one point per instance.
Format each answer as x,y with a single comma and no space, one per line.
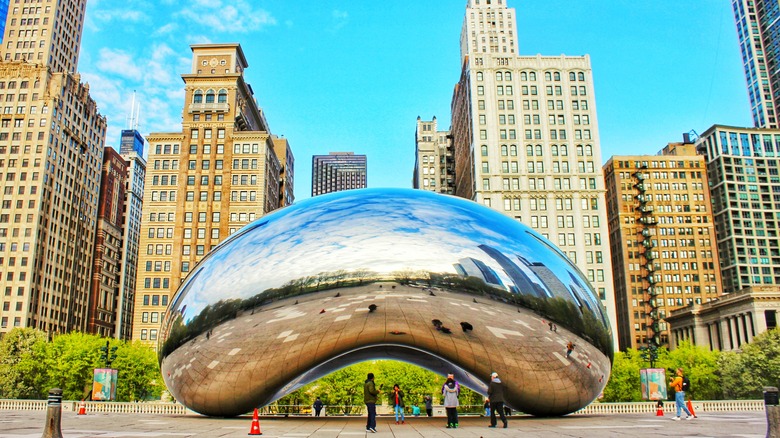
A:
255,429
660,411
82,408
690,408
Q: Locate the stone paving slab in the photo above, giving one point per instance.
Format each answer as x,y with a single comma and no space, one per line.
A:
29,424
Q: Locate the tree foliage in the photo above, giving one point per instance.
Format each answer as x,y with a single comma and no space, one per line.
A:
30,366
342,390
714,375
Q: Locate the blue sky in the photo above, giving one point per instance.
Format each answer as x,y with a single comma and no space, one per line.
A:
352,76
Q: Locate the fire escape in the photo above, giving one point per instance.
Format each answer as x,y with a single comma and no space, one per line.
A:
646,222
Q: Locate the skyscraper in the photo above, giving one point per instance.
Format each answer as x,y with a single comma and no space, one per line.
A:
759,41
434,167
662,238
3,15
207,181
742,167
526,140
105,292
51,148
131,232
337,171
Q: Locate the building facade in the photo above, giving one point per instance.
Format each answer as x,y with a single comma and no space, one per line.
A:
728,322
131,231
106,262
759,42
287,171
434,160
338,171
742,167
203,183
526,142
51,148
661,235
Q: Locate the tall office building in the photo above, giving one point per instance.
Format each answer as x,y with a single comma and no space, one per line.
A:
526,140
3,15
106,263
131,230
287,171
661,236
205,182
51,149
337,171
742,166
759,40
434,165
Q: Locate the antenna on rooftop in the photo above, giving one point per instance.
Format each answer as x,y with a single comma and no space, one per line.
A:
135,114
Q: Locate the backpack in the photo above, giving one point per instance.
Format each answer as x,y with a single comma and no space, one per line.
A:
686,384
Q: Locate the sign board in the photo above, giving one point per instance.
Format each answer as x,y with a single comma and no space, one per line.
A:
104,384
653,381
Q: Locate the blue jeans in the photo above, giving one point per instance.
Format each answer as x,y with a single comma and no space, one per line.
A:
679,399
371,409
399,410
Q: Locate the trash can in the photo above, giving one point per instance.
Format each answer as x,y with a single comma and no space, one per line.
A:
771,403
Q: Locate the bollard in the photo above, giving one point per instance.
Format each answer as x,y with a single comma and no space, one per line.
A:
772,411
53,427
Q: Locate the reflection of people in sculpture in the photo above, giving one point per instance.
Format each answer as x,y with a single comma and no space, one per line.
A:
569,348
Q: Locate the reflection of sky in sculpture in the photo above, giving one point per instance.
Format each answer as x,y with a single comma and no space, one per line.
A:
383,230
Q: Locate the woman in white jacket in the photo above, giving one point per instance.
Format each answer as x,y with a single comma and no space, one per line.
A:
450,391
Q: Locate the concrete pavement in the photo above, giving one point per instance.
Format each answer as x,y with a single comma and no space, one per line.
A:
29,424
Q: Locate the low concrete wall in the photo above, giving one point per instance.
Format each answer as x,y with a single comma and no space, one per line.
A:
160,408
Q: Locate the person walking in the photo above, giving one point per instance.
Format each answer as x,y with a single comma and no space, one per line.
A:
679,396
317,407
398,403
428,405
496,396
370,393
450,392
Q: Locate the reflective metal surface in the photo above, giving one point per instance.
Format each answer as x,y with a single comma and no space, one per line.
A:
434,280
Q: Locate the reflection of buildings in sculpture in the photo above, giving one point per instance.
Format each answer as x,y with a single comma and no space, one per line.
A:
338,171
471,267
523,283
580,291
551,281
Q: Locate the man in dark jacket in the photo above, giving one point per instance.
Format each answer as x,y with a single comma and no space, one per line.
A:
370,394
317,407
496,396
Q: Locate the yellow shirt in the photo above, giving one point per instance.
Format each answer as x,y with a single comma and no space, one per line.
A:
677,384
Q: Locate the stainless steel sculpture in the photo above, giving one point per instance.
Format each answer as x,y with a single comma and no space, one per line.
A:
429,279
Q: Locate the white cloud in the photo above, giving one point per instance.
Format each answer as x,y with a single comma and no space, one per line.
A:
118,62
339,19
165,29
234,17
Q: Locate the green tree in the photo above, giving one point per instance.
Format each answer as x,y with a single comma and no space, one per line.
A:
139,375
21,368
624,384
70,361
757,366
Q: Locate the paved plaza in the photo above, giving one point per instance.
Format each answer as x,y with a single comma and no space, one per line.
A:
29,424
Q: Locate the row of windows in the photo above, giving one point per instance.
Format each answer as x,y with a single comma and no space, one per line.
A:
221,96
526,76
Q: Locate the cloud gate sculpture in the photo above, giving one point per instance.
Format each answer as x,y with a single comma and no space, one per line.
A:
434,280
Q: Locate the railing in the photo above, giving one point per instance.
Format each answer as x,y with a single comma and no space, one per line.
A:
358,410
